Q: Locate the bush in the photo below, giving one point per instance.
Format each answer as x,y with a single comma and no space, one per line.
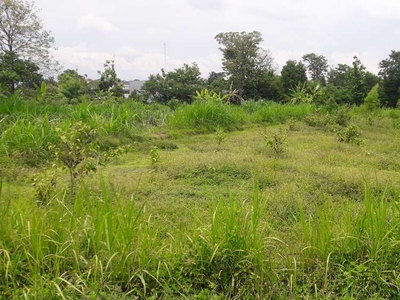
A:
277,141
351,135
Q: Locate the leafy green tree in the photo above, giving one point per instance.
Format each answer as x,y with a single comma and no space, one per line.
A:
370,80
109,81
337,94
317,66
217,83
18,73
371,101
389,88
360,81
265,85
338,76
293,73
180,84
356,82
71,84
350,84
243,59
22,33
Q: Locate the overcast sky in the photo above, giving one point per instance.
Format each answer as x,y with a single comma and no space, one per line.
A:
89,32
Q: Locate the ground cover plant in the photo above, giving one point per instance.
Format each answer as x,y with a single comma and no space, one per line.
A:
202,206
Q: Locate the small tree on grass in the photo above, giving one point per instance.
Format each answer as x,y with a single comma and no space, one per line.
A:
77,150
277,141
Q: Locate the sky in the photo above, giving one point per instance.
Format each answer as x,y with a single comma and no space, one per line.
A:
138,33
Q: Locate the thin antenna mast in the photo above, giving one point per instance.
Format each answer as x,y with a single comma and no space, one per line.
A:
165,56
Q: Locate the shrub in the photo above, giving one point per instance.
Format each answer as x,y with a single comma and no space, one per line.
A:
44,185
154,155
351,135
340,116
220,135
277,141
77,150
371,102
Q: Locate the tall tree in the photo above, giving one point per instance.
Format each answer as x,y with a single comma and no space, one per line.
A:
293,73
240,56
22,33
356,82
350,84
109,81
338,76
389,88
317,66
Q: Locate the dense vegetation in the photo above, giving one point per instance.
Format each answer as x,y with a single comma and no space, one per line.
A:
244,185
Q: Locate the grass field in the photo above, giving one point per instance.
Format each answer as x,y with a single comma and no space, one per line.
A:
266,203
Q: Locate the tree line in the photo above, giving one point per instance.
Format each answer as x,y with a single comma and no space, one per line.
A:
249,71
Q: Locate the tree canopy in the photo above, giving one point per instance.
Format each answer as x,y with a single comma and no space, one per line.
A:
249,67
17,73
22,33
350,84
109,81
24,45
389,89
71,84
180,84
317,66
293,73
239,55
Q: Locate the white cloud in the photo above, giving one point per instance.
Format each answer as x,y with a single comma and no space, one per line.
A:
81,58
383,10
127,52
208,63
92,21
367,58
208,4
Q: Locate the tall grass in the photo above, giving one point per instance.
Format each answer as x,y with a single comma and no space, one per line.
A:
81,248
103,245
352,255
27,129
274,113
27,139
207,116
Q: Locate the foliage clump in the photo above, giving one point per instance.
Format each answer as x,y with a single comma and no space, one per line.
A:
351,135
154,155
44,186
77,150
220,135
389,88
277,141
180,84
